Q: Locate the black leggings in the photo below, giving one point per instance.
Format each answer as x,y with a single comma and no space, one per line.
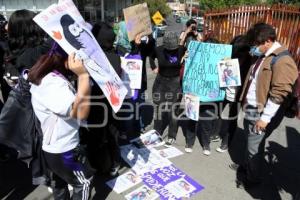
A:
72,168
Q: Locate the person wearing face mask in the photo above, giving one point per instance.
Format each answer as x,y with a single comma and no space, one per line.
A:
266,87
166,88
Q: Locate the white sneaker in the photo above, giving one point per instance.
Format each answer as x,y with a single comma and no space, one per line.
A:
50,190
221,150
170,142
188,149
206,152
70,187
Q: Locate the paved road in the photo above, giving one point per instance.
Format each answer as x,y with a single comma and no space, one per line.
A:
282,175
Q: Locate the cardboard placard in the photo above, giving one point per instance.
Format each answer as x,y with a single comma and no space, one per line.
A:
137,19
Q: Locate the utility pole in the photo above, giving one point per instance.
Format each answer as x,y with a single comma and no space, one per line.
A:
191,5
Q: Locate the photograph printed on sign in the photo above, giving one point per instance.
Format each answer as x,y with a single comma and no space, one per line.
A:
180,188
124,182
150,139
170,152
192,104
142,193
229,73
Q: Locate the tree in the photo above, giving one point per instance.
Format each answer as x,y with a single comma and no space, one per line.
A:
156,5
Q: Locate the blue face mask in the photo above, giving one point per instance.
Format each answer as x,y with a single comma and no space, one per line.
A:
254,51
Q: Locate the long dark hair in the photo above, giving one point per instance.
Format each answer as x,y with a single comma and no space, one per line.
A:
66,21
23,32
54,60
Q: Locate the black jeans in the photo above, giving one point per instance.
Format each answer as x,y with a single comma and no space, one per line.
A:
166,94
256,142
72,168
229,124
206,126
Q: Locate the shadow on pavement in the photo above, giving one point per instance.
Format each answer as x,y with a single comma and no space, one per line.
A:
238,145
15,180
281,167
102,190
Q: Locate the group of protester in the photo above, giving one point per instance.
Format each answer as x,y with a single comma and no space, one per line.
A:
57,85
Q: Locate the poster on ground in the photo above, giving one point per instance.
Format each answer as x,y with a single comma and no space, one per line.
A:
66,26
137,19
201,71
170,152
124,182
229,73
142,160
142,193
171,183
149,139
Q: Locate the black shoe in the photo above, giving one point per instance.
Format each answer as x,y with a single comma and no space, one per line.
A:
234,166
114,170
247,184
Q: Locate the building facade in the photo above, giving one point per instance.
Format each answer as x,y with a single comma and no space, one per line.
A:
92,10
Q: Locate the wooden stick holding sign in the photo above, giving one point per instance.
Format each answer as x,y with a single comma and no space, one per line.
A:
137,19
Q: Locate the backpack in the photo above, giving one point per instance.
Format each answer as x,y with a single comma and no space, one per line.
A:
292,102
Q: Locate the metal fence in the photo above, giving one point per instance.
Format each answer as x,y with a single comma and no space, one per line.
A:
225,24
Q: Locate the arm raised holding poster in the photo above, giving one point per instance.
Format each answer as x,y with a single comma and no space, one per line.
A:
137,20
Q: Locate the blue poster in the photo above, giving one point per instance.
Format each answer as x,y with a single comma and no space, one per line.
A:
171,183
201,71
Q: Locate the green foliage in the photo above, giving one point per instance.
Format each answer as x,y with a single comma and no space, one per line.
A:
156,5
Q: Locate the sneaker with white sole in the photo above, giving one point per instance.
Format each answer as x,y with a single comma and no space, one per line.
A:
206,152
215,138
188,149
170,142
221,149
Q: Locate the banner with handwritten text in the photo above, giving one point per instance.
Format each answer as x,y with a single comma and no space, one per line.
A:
137,19
201,71
171,183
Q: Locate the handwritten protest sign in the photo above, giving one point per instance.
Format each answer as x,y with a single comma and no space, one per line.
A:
171,183
132,71
201,72
66,26
137,19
